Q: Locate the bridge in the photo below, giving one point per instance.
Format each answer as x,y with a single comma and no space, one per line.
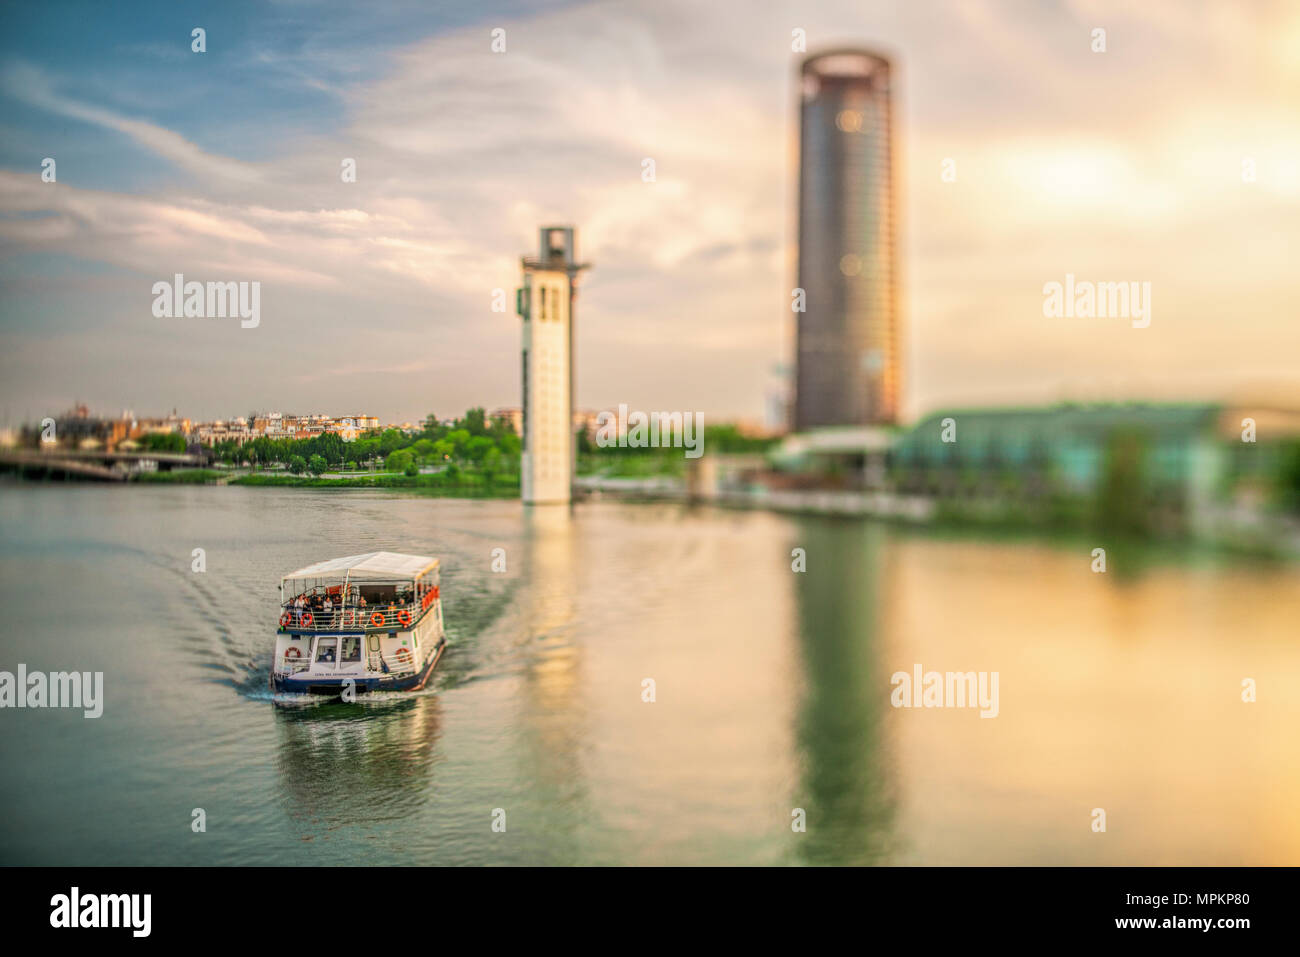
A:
90,466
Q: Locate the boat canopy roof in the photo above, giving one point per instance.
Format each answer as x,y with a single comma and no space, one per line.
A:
372,567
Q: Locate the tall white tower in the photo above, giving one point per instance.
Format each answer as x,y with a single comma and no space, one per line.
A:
546,305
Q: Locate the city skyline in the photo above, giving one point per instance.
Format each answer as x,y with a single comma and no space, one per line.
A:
1127,165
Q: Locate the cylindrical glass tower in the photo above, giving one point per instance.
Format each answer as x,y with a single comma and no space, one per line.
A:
848,351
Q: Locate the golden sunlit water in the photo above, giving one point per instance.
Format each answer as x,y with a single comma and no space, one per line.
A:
1119,691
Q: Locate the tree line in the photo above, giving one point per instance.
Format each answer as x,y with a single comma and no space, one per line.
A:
488,446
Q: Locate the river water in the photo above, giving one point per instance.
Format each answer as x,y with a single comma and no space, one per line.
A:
1120,691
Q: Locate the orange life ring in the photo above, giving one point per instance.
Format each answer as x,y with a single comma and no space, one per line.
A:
308,620
292,652
404,617
377,620
403,655
285,619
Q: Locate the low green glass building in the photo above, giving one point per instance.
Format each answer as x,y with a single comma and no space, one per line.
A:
1133,466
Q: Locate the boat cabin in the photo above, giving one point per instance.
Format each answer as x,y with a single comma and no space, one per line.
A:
378,590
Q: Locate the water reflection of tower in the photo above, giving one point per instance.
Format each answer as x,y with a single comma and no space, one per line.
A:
846,786
554,712
848,350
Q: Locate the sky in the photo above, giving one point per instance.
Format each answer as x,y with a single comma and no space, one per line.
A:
376,295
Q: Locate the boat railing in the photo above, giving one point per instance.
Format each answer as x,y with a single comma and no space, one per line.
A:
399,617
400,664
291,664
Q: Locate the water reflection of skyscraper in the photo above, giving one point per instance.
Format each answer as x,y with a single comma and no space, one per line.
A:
847,782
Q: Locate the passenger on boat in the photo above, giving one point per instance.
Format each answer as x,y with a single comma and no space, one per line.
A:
328,608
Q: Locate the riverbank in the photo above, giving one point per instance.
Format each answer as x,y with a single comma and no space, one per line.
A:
1247,534
463,484
182,477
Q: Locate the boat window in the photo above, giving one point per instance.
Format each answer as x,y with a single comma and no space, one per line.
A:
325,649
351,648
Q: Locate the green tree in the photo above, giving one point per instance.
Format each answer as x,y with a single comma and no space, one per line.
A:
501,427
399,461
365,449
477,447
475,422
1289,475
164,442
459,439
728,438
329,445
317,464
423,449
297,465
491,464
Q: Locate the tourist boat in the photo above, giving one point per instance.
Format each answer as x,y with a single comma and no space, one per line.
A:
367,623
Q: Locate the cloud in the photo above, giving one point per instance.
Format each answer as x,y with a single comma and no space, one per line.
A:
1126,162
30,85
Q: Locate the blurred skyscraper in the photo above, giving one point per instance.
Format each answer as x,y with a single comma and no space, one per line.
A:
848,349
